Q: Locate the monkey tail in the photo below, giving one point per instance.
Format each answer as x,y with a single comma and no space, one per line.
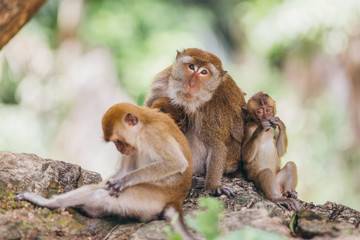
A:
170,212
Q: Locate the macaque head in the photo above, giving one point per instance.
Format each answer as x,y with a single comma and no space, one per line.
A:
195,76
261,107
120,125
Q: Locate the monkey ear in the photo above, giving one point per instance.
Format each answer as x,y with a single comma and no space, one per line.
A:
246,114
177,54
131,119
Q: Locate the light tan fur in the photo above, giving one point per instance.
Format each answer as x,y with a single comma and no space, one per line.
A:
154,177
263,149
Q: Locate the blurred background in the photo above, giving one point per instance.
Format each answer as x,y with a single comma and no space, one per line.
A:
76,58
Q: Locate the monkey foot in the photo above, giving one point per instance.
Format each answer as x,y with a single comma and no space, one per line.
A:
197,182
290,203
20,197
290,194
229,192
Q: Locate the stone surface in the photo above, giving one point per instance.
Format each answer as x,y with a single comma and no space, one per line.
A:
28,172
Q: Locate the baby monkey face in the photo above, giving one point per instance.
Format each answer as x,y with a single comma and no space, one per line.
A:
264,113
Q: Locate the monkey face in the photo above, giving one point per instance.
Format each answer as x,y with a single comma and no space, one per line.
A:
196,75
123,147
264,113
261,107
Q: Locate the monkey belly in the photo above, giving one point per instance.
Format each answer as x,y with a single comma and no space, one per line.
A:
199,153
266,158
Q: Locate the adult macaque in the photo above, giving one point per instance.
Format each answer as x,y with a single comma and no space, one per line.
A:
176,113
155,173
213,104
265,143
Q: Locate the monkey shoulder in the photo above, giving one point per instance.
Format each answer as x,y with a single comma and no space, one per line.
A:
164,75
250,128
159,87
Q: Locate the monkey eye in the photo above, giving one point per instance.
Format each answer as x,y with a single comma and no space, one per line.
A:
259,111
204,72
268,110
192,66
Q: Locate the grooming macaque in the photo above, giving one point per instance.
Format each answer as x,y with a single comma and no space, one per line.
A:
265,143
213,103
176,113
155,173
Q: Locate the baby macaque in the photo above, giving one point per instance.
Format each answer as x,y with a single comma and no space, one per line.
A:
155,173
265,143
175,112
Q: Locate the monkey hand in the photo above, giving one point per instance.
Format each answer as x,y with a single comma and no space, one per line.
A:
115,186
229,192
290,203
276,122
197,181
266,125
290,194
182,125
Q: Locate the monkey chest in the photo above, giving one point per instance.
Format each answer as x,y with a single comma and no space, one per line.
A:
267,156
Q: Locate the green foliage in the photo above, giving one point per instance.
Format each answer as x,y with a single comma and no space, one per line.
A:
206,222
171,234
8,86
292,223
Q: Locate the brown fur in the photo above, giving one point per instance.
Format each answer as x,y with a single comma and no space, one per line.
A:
176,113
216,125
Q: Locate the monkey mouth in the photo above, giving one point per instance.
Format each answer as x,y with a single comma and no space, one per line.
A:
127,150
124,148
188,95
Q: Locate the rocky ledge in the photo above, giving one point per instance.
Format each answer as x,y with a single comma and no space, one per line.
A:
28,172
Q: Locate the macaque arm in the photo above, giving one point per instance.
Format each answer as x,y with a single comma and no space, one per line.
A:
127,165
281,140
167,159
159,87
251,143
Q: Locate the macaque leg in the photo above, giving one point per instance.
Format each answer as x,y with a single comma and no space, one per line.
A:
215,171
144,201
69,199
287,178
267,182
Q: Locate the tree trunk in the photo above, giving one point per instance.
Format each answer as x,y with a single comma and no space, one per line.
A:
13,15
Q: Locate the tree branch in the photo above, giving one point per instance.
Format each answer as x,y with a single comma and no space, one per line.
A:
13,15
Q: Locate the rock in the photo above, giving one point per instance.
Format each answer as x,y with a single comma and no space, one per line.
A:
28,172
22,220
